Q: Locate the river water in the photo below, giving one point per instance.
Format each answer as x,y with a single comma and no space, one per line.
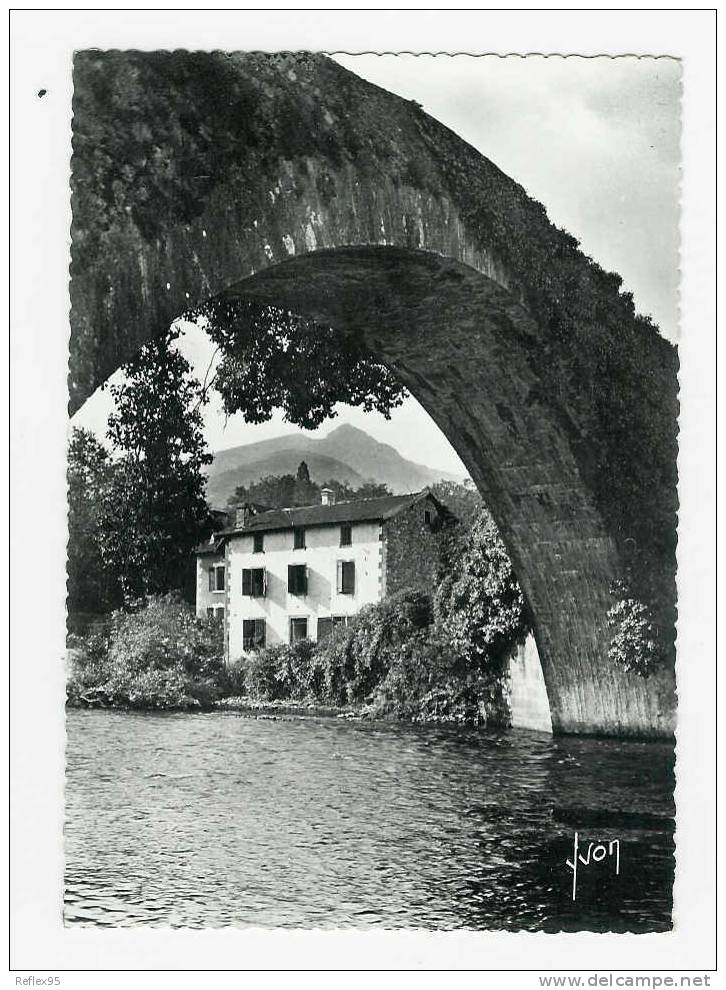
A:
216,820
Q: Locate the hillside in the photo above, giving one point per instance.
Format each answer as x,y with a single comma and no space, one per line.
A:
327,457
220,486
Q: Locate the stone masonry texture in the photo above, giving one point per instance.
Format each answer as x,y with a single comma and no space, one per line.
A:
288,180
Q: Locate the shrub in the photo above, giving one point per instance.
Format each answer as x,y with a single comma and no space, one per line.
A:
634,644
166,633
280,672
347,666
428,681
333,666
353,661
377,632
479,605
157,655
236,677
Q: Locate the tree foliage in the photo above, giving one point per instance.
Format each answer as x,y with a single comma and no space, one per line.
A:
92,588
284,490
154,510
271,359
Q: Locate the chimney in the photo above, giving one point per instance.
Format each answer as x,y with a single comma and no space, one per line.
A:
240,516
327,496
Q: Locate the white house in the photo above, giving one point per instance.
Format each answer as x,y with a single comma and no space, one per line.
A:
287,574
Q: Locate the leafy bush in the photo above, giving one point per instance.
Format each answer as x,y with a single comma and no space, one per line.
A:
479,604
390,656
377,632
88,662
158,655
280,672
333,667
355,659
236,677
635,645
429,681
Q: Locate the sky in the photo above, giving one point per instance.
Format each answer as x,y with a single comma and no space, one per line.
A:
595,140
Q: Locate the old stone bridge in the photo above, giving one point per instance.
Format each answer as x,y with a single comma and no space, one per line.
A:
290,180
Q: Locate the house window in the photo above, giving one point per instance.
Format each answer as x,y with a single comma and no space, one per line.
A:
216,578
346,577
298,630
297,579
428,517
346,535
254,582
298,538
254,635
216,613
258,541
327,625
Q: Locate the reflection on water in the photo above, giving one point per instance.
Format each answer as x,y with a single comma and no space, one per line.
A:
214,820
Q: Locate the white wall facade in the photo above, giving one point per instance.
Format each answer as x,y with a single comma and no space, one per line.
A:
207,599
321,555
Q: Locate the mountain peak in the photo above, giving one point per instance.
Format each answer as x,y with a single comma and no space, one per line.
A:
347,453
349,429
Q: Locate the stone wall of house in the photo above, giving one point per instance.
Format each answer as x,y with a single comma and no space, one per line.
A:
411,549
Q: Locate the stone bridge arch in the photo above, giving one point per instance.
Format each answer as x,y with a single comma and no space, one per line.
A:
287,179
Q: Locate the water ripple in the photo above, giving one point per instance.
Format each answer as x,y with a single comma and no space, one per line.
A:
216,821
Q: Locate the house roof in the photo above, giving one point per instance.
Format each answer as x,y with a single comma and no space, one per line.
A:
360,510
213,547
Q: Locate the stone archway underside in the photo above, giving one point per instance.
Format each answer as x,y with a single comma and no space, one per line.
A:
295,182
460,344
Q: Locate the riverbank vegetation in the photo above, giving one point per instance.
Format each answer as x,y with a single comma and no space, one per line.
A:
412,655
154,655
